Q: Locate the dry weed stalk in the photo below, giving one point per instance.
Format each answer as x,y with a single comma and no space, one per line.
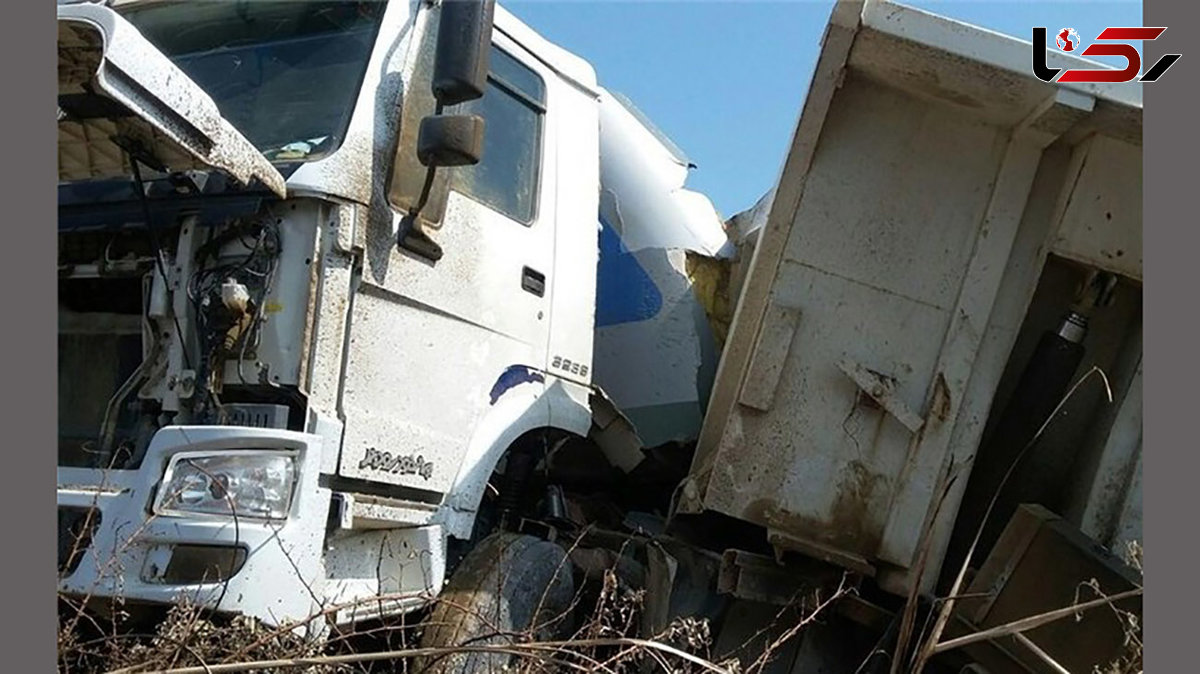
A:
931,643
188,641
770,651
1130,661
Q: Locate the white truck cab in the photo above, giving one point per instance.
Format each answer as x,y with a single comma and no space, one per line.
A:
292,355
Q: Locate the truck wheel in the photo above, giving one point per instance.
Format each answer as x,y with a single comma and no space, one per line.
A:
507,586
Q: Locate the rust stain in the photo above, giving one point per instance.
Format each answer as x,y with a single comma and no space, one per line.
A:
939,407
849,525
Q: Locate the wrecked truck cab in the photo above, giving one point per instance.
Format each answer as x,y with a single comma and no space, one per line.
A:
235,310
189,447
296,362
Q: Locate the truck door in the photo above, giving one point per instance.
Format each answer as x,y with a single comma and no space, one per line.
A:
435,342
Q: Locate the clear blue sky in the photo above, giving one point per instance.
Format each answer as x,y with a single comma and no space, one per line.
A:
725,80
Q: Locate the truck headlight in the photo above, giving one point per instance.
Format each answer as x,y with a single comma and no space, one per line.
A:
246,483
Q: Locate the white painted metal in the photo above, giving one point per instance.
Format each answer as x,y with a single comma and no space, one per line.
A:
127,537
571,274
833,433
179,118
430,342
643,185
655,353
326,270
561,404
378,573
392,354
1095,230
350,172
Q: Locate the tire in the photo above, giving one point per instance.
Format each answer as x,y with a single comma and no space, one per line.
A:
506,585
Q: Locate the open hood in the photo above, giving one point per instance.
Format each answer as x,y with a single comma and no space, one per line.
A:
118,94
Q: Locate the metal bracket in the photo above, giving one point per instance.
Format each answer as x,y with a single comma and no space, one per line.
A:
882,390
820,551
771,348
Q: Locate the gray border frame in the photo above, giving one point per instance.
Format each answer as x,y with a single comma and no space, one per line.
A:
1171,240
29,282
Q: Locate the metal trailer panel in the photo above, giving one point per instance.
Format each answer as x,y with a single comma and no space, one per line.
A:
904,240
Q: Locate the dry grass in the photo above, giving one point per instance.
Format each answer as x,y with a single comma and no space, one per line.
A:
605,636
1130,661
184,637
189,640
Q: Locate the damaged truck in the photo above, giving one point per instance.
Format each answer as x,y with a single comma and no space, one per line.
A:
367,304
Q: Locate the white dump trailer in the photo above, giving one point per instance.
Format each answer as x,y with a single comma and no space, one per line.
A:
951,245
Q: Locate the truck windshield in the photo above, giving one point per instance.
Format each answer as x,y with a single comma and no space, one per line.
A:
285,74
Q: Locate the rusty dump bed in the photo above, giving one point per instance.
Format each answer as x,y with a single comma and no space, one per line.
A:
939,209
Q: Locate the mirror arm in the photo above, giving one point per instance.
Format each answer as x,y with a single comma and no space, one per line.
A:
455,81
412,236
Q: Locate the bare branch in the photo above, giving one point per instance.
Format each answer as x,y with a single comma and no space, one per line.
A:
519,649
1026,624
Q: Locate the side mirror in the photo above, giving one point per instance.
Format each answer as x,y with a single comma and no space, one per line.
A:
463,45
458,74
450,140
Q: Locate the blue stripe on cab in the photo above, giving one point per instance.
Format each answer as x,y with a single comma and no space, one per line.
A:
625,293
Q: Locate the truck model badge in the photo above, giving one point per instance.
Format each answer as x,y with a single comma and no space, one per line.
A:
398,464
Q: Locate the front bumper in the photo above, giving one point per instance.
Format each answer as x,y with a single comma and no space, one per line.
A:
134,554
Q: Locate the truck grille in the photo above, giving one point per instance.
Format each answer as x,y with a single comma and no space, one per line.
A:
75,528
257,415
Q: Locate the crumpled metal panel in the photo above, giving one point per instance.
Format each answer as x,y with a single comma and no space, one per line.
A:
142,100
655,349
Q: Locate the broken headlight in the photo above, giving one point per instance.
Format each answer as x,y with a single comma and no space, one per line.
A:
244,483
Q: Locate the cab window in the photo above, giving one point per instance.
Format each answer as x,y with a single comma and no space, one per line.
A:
513,107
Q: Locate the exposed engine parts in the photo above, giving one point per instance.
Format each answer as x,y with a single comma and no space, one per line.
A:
148,323
228,291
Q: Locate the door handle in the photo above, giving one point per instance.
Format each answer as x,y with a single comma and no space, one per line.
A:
533,281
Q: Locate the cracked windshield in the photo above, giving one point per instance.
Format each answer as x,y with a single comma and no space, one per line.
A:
286,74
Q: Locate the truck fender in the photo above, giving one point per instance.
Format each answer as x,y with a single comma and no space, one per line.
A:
559,405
